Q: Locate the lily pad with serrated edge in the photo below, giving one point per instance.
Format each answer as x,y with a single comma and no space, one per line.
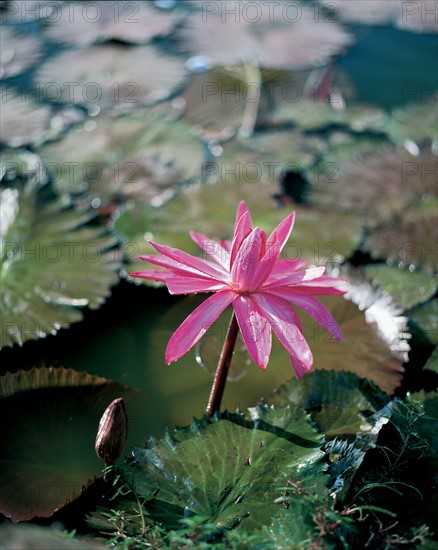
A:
52,264
374,331
111,77
289,38
241,460
408,288
128,157
211,209
47,445
350,411
130,22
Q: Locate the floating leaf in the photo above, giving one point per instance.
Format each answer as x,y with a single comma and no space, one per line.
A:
224,99
131,22
289,38
47,446
240,463
408,16
425,319
30,537
408,288
110,76
316,114
432,362
213,207
51,264
417,122
366,12
23,165
128,157
417,17
19,52
350,412
380,185
409,239
27,122
374,334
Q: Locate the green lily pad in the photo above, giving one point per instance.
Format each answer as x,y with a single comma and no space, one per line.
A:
47,446
432,362
407,288
417,122
52,264
374,334
240,462
214,207
338,402
425,320
111,77
133,23
128,157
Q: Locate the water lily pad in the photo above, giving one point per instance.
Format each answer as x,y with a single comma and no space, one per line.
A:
47,447
213,207
366,12
289,37
23,165
128,157
19,52
241,460
380,186
224,99
425,319
28,122
409,239
111,76
30,537
374,334
417,17
417,122
316,114
52,264
406,287
90,22
432,362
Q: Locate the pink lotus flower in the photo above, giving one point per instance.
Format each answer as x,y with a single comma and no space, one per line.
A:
248,274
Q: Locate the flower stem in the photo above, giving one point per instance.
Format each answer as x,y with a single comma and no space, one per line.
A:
217,389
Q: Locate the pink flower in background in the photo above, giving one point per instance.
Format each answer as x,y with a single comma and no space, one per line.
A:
247,273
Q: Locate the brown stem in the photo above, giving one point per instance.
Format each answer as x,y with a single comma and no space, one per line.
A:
217,389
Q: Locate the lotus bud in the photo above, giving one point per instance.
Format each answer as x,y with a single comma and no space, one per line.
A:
112,433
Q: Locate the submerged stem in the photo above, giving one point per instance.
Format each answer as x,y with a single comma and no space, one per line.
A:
217,389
